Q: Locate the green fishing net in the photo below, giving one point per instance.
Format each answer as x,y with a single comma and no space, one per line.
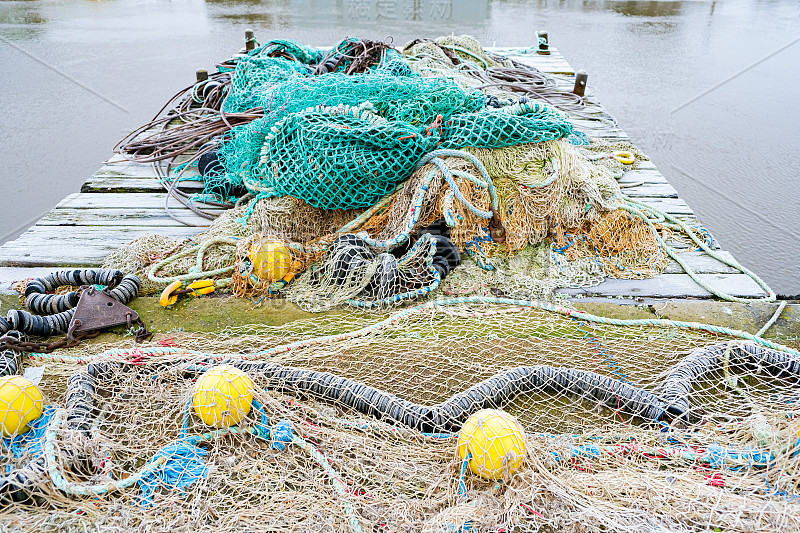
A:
348,157
383,122
411,100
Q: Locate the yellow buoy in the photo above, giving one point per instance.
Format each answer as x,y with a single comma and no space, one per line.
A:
223,396
21,403
494,439
271,260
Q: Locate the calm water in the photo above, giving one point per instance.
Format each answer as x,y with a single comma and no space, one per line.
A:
731,154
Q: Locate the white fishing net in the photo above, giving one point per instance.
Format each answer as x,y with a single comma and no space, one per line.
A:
628,428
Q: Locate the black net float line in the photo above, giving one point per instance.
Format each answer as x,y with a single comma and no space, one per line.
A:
495,392
10,359
450,415
682,377
38,301
19,484
58,323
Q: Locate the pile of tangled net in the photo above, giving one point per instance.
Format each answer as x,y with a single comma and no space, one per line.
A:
368,176
644,426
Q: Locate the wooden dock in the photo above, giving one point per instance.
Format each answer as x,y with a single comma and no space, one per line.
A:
124,200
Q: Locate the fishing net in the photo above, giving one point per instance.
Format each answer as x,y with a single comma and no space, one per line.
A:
415,101
628,428
562,223
349,157
352,146
539,192
216,247
462,59
456,58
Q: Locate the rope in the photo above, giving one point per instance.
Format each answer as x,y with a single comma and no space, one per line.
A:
772,320
639,209
520,305
197,271
339,485
159,460
435,157
84,489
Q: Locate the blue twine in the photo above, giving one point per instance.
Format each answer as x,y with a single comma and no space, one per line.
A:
462,486
717,456
262,427
597,345
282,434
32,441
183,467
770,491
561,250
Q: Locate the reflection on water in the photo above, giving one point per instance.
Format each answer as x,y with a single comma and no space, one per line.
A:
727,153
652,8
268,14
19,21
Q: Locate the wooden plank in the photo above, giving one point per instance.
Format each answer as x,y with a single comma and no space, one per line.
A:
38,235
652,190
55,246
673,286
127,169
702,263
643,175
120,217
139,200
647,165
552,64
128,185
673,206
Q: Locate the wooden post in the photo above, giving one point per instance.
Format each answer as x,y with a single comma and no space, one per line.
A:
249,40
202,74
580,82
544,47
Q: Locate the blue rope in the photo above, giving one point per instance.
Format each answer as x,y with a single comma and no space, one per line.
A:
184,466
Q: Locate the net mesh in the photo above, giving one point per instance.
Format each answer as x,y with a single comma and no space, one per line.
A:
589,463
352,144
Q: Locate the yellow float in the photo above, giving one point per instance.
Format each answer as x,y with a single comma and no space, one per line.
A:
21,403
626,158
494,440
271,259
223,396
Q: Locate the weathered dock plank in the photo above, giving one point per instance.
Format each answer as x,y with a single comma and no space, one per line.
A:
699,262
554,63
672,286
122,217
133,200
643,175
141,184
651,190
56,246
